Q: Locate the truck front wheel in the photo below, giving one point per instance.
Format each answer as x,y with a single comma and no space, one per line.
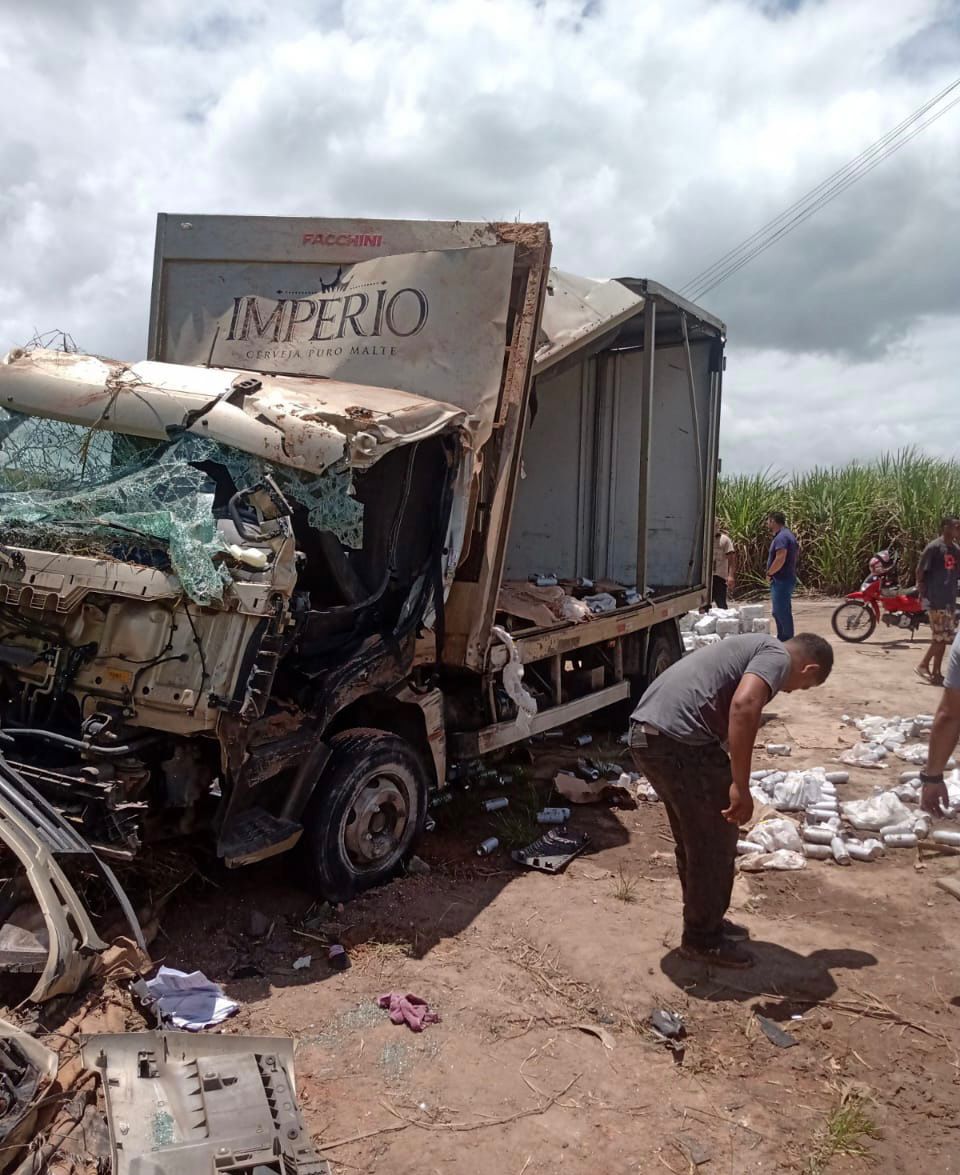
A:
365,814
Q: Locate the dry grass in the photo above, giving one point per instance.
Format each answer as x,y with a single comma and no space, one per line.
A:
844,1132
381,958
625,887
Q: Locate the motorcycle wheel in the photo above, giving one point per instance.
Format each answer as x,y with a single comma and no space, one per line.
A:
853,621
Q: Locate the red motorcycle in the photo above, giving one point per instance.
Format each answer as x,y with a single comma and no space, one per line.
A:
879,597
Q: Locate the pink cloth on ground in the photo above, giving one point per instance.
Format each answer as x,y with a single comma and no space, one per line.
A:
408,1009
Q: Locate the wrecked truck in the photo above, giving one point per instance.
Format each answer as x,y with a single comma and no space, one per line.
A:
265,583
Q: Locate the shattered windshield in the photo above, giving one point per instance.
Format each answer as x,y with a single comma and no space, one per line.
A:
89,491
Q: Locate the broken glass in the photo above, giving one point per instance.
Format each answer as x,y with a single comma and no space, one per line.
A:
91,491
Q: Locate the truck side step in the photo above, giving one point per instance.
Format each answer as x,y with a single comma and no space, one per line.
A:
254,835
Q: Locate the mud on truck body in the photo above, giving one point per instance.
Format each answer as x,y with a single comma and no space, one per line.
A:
253,586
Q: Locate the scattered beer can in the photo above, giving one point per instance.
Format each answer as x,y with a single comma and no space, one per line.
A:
496,804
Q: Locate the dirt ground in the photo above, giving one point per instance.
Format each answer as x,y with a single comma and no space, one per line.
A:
543,1061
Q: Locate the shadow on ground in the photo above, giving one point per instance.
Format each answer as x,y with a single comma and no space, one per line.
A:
789,982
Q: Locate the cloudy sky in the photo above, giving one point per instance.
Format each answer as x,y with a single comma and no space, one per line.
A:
653,137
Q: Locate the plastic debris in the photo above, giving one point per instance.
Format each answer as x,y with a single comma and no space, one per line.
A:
798,790
550,852
876,812
777,834
668,1025
302,963
176,1104
775,1034
781,860
189,1000
863,754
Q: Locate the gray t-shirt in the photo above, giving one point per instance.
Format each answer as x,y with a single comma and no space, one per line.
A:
691,700
938,566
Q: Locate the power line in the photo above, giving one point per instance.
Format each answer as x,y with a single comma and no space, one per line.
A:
827,190
853,165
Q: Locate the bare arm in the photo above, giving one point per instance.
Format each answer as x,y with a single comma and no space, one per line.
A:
943,739
731,568
778,561
752,695
922,574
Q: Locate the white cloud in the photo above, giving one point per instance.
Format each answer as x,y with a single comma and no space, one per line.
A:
651,143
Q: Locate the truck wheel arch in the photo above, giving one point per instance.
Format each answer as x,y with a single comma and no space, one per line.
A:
417,718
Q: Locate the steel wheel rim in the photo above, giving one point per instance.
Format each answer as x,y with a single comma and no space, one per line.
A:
376,820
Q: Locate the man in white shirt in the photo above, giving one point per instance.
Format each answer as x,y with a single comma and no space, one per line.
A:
724,565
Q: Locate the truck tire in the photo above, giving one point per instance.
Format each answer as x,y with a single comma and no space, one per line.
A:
368,809
662,652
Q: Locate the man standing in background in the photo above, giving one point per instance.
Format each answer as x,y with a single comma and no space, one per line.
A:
724,564
782,573
937,585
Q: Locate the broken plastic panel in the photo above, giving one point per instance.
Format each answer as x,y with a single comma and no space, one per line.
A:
179,1104
552,851
65,487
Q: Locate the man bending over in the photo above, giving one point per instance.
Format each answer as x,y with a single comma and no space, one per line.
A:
679,734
